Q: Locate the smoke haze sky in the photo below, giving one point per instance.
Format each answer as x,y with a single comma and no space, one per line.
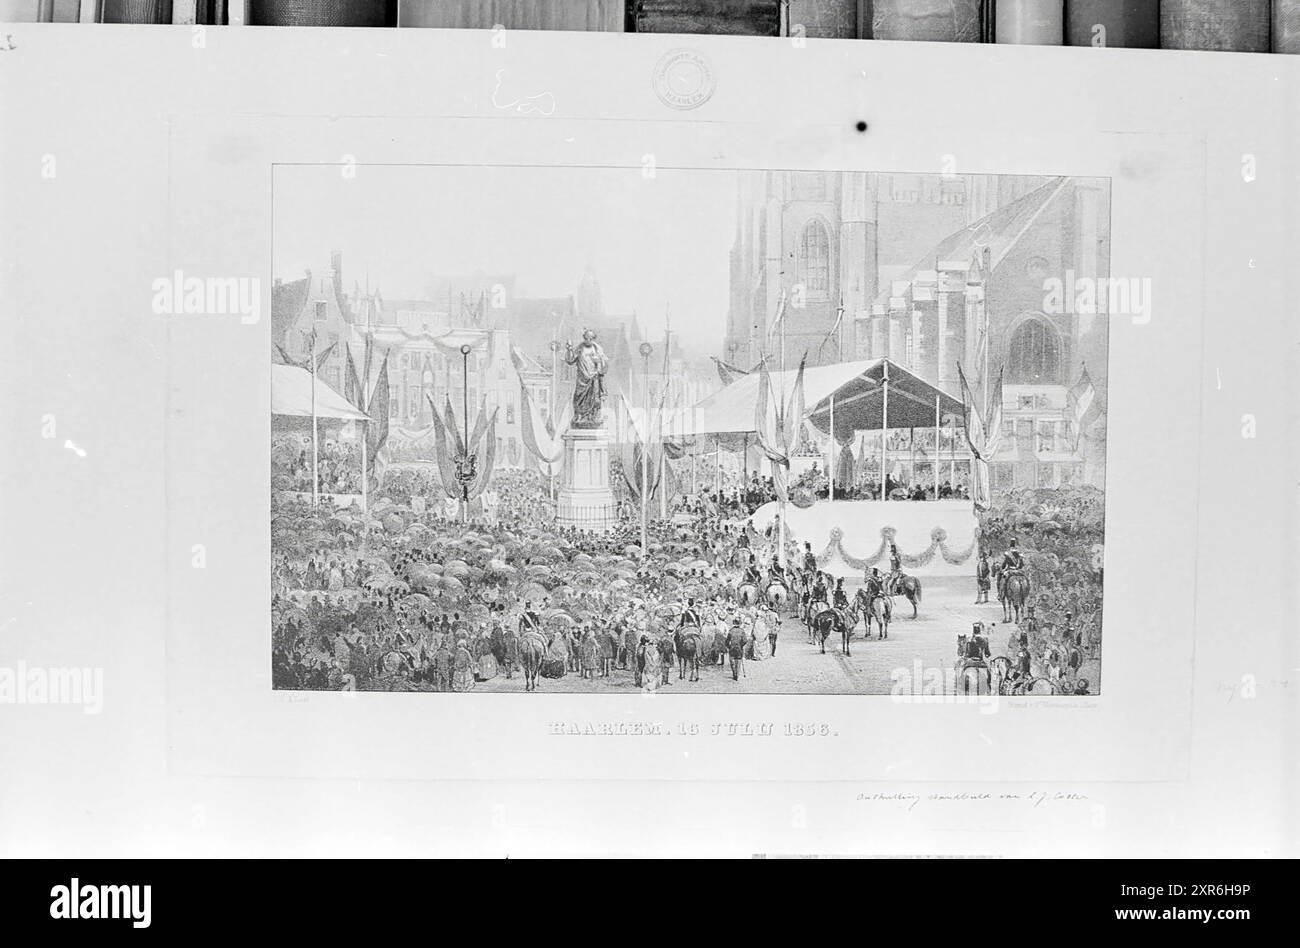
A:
651,243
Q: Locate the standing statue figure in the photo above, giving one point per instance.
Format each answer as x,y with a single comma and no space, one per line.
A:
589,387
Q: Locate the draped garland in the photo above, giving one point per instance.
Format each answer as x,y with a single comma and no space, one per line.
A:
938,544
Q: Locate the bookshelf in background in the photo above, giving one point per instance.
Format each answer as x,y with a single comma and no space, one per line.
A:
1029,22
594,16
1240,26
1114,24
728,17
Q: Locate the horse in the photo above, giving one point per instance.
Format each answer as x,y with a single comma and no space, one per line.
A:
829,620
747,594
975,676
1015,593
909,586
878,609
532,650
1000,668
687,643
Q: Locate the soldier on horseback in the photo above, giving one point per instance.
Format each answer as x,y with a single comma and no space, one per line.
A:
809,559
819,590
875,584
841,598
776,572
752,572
1013,564
530,621
690,616
895,568
975,652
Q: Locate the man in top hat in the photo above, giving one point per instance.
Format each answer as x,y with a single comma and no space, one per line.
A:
736,647
982,578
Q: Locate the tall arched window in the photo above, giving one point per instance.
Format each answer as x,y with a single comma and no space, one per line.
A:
1035,354
815,259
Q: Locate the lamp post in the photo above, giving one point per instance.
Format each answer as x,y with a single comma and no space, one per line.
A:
646,349
466,462
555,384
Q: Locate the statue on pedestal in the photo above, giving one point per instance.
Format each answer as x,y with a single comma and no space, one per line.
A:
591,363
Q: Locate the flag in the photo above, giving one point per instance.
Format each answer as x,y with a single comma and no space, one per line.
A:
376,407
727,372
983,435
541,437
1081,404
353,390
839,321
443,451
779,428
320,359
780,315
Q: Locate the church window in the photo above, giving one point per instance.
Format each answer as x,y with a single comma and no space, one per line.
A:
815,259
1035,356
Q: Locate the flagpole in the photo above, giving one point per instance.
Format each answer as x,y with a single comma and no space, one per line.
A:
936,447
831,466
364,426
884,434
315,434
717,473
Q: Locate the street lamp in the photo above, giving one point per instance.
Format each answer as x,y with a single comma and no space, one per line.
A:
646,349
466,462
555,384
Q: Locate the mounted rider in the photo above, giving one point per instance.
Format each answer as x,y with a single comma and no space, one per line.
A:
875,584
690,616
530,621
1013,564
895,568
974,651
753,574
819,590
776,572
840,599
809,560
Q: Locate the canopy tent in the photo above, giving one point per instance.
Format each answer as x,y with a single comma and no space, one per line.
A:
860,403
291,394
858,391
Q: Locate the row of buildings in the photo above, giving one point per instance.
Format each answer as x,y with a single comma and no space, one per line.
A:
514,342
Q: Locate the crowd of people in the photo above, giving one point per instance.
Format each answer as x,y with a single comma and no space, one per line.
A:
338,465
395,599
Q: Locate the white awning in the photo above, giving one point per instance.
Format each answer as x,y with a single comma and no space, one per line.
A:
291,394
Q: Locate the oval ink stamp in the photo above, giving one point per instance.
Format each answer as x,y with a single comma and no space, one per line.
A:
683,79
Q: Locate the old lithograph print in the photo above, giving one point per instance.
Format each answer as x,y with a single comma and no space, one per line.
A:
598,430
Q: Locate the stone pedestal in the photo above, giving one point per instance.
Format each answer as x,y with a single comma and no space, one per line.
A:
585,500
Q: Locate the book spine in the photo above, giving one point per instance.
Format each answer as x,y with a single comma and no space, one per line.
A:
604,16
1030,22
826,19
729,17
1132,24
1286,26
137,11
1231,25
318,13
936,21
